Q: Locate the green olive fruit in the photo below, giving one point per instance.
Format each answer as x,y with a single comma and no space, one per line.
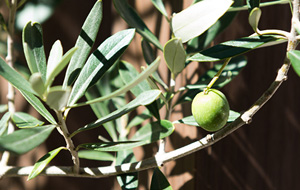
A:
210,110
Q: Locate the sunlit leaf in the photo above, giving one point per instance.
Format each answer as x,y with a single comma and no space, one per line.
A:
100,61
149,133
128,74
95,155
34,48
254,17
24,120
84,43
142,76
159,181
160,6
54,58
204,40
55,67
110,82
40,165
196,19
235,47
38,105
14,77
4,123
24,140
144,98
134,20
175,55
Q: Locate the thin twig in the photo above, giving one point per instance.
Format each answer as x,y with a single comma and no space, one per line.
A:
70,145
10,62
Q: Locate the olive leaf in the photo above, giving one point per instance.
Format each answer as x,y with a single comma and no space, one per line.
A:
40,165
254,17
196,19
175,55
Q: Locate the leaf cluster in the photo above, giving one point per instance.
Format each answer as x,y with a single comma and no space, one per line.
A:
105,80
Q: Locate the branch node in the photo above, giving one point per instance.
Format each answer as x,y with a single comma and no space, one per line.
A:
246,118
210,137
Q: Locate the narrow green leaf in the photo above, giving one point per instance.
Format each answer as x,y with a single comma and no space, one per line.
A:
149,57
14,77
139,119
95,155
34,48
148,52
37,84
230,72
253,19
142,76
24,120
149,133
128,73
143,99
84,43
54,58
40,165
197,18
58,97
160,6
100,61
235,47
56,67
190,120
111,146
3,108
159,181
294,57
133,20
154,131
24,140
4,123
127,181
105,86
174,55
38,105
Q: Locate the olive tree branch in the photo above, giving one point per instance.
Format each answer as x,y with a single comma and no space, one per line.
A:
160,159
10,62
63,130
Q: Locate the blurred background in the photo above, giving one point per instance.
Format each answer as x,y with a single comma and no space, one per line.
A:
262,155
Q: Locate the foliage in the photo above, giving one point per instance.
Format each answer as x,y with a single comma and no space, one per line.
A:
105,80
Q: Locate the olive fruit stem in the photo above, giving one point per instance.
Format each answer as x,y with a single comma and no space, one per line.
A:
216,77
